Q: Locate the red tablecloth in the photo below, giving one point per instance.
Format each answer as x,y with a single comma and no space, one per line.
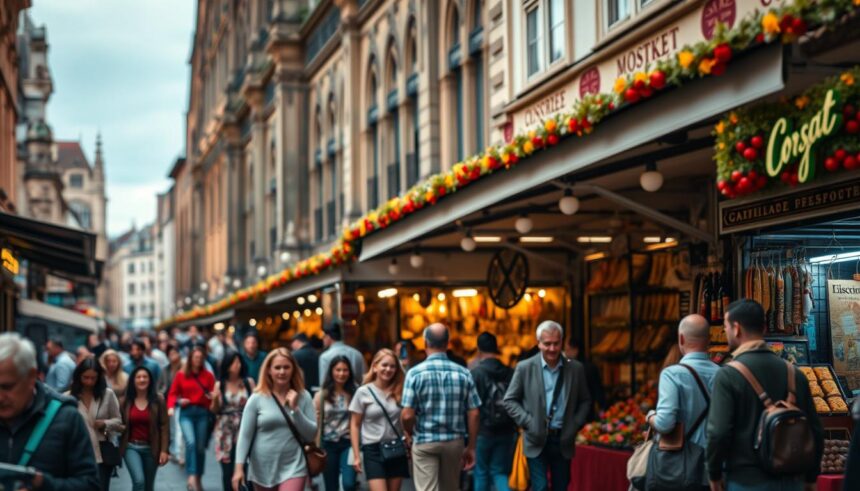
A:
602,469
599,469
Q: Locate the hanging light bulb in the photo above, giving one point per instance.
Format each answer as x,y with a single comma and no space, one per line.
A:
467,243
392,268
524,224
568,204
237,283
261,270
415,260
285,256
651,180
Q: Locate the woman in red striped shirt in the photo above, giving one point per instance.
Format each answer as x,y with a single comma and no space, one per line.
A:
192,392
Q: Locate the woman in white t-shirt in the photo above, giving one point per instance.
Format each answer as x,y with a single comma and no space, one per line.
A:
375,422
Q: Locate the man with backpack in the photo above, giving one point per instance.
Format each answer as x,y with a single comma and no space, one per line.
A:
682,404
763,431
497,432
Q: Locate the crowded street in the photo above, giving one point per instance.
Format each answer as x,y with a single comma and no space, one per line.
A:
475,245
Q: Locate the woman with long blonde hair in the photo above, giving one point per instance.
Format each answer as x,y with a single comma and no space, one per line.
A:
376,424
115,376
277,462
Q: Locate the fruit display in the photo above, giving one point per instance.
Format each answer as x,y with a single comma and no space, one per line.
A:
622,425
835,456
826,393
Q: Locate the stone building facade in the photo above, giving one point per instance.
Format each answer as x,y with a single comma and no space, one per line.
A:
9,101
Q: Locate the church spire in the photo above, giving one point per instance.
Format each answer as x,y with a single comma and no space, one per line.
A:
99,162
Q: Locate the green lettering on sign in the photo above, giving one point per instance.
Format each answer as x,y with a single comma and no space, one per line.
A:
786,145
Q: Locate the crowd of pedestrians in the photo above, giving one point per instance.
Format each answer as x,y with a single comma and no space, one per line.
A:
445,424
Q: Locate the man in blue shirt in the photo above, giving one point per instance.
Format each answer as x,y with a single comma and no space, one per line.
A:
680,399
59,376
137,352
438,397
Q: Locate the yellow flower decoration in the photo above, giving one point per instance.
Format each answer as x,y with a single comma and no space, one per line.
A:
801,102
685,58
550,126
733,118
721,127
640,77
847,78
722,146
449,181
528,148
706,65
770,23
620,85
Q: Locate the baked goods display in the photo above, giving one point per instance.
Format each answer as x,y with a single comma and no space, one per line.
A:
825,390
835,456
658,307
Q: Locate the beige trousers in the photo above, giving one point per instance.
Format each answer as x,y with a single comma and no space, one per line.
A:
437,466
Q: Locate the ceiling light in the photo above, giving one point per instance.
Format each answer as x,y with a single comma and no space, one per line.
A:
652,240
187,300
307,312
836,258
528,297
415,260
285,256
664,245
464,292
568,204
204,286
595,256
319,311
467,243
296,314
387,293
595,239
416,297
651,180
201,301
536,239
442,309
487,238
392,267
312,298
237,283
252,322
441,296
300,300
670,239
219,326
542,293
524,224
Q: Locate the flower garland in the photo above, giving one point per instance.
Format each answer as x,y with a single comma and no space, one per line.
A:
702,59
741,137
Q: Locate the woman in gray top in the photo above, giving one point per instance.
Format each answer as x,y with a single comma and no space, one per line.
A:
275,459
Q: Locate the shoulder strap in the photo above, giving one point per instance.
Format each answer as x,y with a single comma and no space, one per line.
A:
206,392
39,432
792,389
750,378
704,391
293,430
387,417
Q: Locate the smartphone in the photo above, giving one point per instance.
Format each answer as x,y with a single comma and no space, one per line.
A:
16,476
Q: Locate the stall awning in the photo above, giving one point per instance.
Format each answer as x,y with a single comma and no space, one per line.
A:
753,77
305,285
62,250
59,315
212,319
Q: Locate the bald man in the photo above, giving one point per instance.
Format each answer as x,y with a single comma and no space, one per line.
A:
681,396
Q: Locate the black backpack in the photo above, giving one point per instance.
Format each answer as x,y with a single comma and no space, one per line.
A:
495,414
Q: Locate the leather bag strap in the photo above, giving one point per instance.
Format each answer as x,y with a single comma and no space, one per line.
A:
704,391
387,417
750,378
792,388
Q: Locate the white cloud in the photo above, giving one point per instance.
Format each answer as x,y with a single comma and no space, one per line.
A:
132,204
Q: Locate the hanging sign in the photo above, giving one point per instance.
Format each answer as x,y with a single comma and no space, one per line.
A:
507,277
10,262
844,308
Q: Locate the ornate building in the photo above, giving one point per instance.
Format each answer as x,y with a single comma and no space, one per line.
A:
9,101
303,116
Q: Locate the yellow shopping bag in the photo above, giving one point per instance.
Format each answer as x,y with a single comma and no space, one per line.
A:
519,478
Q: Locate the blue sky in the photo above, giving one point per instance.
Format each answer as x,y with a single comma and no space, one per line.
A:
120,66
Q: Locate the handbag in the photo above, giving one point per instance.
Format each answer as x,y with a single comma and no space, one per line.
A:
211,417
637,464
389,449
315,457
679,467
519,477
109,451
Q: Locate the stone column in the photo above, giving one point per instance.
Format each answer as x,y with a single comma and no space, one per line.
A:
235,179
428,87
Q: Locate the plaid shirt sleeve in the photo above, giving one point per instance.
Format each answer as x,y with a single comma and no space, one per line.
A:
473,399
408,397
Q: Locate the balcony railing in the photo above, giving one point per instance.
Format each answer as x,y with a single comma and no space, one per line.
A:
393,179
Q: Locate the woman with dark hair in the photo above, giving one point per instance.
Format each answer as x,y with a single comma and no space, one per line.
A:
100,409
228,401
145,440
332,407
192,392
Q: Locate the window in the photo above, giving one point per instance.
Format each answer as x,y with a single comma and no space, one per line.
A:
151,267
533,38
131,288
616,11
76,181
413,157
130,268
82,213
476,50
455,57
373,135
131,311
556,30
152,286
393,109
545,35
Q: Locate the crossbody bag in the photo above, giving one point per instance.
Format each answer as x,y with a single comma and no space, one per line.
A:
315,457
390,449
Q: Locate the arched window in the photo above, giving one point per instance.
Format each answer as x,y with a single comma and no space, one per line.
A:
455,58
393,176
83,214
413,169
373,137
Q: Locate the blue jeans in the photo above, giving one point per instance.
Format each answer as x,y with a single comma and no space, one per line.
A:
141,467
550,459
336,466
194,421
785,484
493,457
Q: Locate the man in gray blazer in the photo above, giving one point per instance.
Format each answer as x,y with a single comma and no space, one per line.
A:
550,414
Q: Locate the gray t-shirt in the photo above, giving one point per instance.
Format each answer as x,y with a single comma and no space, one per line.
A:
374,427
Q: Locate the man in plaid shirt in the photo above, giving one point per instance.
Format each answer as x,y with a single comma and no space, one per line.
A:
438,396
